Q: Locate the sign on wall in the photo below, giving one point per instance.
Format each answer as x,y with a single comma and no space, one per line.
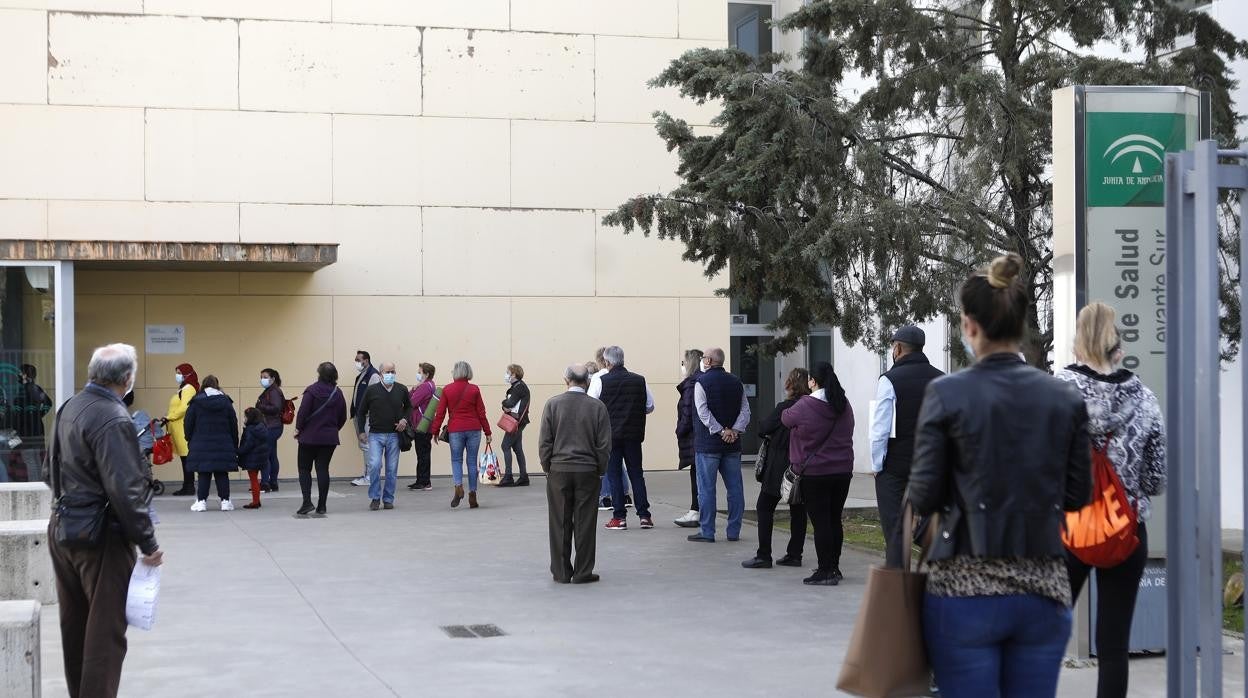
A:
166,339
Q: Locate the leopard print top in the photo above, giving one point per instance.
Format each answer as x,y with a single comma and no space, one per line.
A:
989,576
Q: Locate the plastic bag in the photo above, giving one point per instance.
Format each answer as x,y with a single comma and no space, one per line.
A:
487,468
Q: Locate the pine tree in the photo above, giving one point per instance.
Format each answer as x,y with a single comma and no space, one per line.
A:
867,211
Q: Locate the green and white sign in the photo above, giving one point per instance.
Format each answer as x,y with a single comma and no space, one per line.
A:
1126,155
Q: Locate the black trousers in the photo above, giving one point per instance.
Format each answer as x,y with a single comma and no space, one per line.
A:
1116,589
205,483
766,522
91,586
693,485
514,442
315,457
422,444
890,490
188,477
573,501
824,497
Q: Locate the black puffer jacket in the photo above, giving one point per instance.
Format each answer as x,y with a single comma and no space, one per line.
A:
1001,450
99,459
212,434
685,415
777,447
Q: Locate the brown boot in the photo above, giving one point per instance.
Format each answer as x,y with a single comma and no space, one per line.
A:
459,496
472,500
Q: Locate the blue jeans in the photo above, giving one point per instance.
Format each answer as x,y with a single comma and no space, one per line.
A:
269,477
605,490
728,466
627,454
465,445
383,446
996,646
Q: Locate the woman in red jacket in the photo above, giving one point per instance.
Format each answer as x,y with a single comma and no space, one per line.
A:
461,400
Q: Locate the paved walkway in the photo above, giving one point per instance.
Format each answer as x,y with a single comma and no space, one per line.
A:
259,603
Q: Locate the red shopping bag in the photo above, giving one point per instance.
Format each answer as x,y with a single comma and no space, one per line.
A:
162,450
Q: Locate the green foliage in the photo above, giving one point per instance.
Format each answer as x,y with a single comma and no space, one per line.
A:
867,211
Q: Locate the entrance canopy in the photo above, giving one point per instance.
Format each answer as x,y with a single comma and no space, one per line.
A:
200,256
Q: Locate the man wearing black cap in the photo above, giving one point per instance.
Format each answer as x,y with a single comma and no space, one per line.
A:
898,398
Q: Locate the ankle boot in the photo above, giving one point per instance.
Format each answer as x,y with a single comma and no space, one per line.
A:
459,496
472,500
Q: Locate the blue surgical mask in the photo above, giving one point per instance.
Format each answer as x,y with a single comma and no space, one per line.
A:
420,378
266,382
387,378
178,378
970,350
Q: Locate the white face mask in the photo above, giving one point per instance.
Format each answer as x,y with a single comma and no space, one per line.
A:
265,383
420,378
178,378
507,378
359,367
705,366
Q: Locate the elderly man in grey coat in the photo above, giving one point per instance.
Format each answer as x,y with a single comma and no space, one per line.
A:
574,447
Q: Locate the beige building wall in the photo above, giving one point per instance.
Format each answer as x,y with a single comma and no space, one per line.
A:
462,154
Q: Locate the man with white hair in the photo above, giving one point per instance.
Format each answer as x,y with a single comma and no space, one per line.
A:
723,415
102,512
574,448
385,408
628,401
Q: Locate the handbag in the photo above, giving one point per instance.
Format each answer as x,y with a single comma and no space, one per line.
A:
760,464
80,519
288,411
791,483
887,656
1105,532
510,423
405,439
445,433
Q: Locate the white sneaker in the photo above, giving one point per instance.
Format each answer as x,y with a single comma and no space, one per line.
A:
689,520
199,505
227,505
360,482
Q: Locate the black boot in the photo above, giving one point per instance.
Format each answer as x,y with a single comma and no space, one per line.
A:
305,509
507,481
523,481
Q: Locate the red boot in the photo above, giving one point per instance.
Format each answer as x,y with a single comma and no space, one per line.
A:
255,490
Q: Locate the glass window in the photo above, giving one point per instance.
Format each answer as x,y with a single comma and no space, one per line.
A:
749,27
27,369
766,312
818,348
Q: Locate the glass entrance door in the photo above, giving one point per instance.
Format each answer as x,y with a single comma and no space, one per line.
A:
758,373
27,368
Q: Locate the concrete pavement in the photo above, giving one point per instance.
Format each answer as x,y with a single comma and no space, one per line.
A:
352,605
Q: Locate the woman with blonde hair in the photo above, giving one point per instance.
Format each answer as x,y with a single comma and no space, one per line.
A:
464,411
1001,452
1126,422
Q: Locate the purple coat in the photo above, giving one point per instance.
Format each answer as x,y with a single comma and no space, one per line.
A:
319,427
815,428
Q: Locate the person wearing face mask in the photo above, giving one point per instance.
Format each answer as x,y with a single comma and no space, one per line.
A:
463,410
1001,453
386,407
898,396
212,433
516,402
188,385
271,404
421,395
693,367
365,377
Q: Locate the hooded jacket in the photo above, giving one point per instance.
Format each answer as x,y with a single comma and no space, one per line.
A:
1123,409
322,414
821,442
212,433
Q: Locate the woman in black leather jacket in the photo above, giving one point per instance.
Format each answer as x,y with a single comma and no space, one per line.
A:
1001,453
795,386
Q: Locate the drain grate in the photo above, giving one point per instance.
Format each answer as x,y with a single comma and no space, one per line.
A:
468,632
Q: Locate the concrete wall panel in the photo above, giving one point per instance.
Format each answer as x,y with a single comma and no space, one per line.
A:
623,67
142,61
24,55
142,220
474,14
581,165
704,19
635,265
311,67
509,74
420,161
512,253
238,156
70,153
379,251
635,18
304,10
100,320
23,219
703,324
206,283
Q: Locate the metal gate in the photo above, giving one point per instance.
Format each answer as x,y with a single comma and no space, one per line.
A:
1193,180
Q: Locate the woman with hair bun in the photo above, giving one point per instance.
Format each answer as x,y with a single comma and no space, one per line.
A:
1000,454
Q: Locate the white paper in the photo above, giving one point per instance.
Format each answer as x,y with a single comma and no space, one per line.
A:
144,591
893,431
